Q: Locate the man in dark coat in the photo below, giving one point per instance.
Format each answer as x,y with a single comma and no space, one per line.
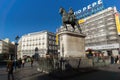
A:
10,69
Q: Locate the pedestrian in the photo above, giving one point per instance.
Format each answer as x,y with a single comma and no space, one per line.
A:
23,62
15,63
79,63
19,63
112,59
116,59
31,62
10,66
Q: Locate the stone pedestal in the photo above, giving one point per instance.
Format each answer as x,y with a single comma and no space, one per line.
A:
72,44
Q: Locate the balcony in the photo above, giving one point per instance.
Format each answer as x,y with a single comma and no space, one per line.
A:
111,33
111,28
110,23
113,38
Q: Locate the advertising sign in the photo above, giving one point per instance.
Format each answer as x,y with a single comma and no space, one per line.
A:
81,21
89,10
117,23
108,46
56,39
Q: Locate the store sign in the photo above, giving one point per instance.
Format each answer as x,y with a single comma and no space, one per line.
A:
109,46
89,10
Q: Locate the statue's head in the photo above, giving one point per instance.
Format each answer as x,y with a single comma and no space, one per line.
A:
71,11
70,8
61,10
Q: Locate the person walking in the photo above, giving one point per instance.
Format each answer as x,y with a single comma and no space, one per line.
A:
19,63
31,62
23,62
15,64
10,66
112,59
116,59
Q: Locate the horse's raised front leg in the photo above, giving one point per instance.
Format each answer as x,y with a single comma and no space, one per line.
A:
64,25
73,26
79,28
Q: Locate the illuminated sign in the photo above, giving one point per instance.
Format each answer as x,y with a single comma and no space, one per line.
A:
117,23
89,10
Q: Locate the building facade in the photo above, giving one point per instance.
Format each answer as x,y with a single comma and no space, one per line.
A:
7,48
42,42
101,31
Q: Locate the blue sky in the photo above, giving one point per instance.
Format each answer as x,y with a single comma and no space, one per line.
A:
19,17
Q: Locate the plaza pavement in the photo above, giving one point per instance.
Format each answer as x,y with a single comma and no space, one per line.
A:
21,73
3,73
111,72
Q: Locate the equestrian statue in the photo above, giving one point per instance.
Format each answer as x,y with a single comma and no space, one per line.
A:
69,18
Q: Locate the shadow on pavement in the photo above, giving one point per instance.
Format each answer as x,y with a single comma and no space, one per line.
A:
63,75
80,74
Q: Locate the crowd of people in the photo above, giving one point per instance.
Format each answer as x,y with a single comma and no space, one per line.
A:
115,59
21,62
13,64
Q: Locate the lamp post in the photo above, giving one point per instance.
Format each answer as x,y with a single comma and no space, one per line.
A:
16,44
36,54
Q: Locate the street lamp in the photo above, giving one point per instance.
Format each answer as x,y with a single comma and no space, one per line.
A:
36,54
16,44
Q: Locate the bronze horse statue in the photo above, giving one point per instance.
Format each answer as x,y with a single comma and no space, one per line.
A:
69,18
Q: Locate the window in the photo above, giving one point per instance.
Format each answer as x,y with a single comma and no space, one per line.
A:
49,42
39,43
43,38
39,38
49,47
49,37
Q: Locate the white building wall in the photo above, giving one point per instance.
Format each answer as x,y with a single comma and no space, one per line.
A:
100,30
0,47
35,40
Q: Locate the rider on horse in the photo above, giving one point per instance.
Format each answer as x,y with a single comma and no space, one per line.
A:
69,18
71,15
